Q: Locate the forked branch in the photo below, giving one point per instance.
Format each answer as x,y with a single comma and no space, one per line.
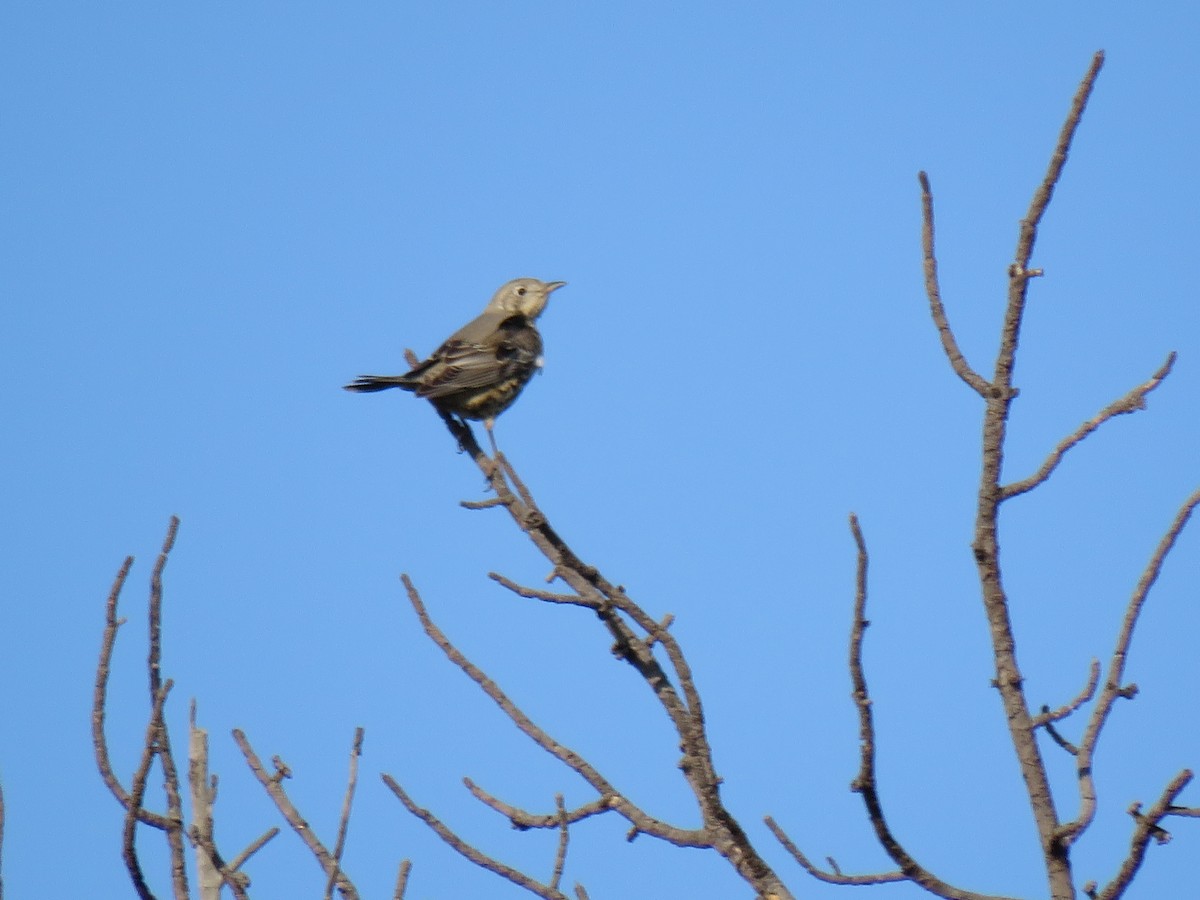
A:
636,636
866,782
1114,686
1130,403
272,784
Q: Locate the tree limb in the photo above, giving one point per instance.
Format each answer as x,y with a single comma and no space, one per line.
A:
1132,402
1089,690
1146,827
1113,687
469,852
286,808
933,290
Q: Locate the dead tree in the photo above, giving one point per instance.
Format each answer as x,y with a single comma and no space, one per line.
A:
647,644
213,872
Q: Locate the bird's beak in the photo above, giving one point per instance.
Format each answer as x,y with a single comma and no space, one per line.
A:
554,286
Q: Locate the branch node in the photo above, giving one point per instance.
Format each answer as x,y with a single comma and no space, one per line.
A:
282,770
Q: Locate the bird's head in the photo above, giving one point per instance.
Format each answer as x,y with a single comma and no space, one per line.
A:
526,296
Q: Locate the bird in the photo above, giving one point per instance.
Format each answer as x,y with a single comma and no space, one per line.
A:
481,369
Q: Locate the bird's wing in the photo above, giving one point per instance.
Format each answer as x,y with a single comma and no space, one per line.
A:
482,353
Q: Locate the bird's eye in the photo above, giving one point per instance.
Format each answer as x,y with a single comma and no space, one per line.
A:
521,291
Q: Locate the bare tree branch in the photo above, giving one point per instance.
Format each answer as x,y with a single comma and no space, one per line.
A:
560,856
469,852
830,877
1089,690
1009,680
523,820
538,594
100,699
933,290
344,821
137,793
1146,827
865,783
276,792
1113,687
402,880
156,745
213,872
253,847
1132,402
154,663
166,757
615,799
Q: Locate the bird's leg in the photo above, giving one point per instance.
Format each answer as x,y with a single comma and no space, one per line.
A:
488,424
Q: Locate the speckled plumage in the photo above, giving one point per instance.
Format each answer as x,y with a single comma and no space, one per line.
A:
481,369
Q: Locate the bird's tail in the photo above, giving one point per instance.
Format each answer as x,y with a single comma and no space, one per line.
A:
368,384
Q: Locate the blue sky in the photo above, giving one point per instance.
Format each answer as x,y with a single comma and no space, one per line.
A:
213,217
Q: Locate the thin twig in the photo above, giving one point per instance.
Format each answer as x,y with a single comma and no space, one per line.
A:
155,618
560,855
1041,198
537,594
643,822
1145,829
344,820
933,291
1057,737
469,852
865,784
253,847
100,699
276,792
1113,682
830,877
1089,690
1133,401
523,820
137,793
402,880
166,757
